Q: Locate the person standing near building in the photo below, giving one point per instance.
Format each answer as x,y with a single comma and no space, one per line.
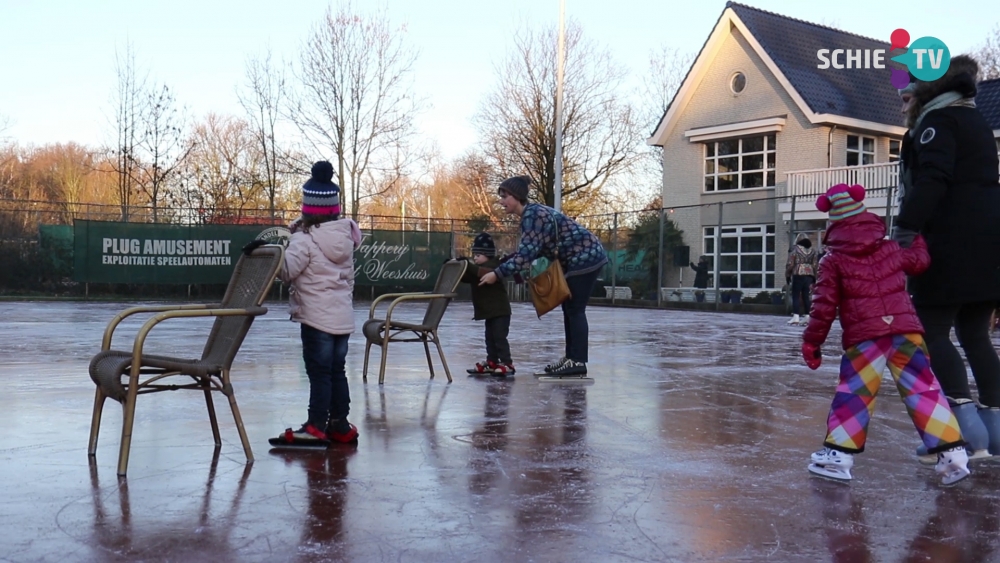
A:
800,273
951,196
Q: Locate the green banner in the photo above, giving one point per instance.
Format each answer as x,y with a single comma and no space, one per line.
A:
112,252
626,270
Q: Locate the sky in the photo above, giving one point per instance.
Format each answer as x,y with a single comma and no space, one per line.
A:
57,57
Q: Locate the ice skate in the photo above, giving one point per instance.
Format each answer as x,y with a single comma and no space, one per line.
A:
548,369
794,320
342,432
307,437
570,370
952,465
502,369
484,367
832,464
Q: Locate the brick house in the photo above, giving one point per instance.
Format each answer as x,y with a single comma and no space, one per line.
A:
755,118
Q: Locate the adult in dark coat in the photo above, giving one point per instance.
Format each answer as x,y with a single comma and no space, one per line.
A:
700,272
951,196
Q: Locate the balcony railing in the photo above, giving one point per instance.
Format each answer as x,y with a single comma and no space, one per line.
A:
815,182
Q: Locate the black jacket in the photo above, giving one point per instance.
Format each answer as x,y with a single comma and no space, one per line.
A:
951,195
700,275
488,301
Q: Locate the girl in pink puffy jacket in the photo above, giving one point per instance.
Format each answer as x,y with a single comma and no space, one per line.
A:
863,277
319,268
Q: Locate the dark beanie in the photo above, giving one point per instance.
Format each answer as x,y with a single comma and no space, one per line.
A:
484,245
517,187
320,196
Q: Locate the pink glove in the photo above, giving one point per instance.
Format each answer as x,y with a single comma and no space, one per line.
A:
812,355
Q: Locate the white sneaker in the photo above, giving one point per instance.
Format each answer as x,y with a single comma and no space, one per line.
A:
832,463
953,465
794,320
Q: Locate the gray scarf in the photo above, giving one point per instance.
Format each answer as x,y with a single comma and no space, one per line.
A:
941,101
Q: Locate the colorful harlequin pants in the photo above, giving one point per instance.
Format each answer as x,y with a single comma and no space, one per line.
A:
860,377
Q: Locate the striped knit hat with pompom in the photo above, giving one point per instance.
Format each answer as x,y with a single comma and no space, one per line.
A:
842,201
320,196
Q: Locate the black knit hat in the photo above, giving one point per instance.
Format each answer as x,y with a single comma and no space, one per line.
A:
517,186
484,245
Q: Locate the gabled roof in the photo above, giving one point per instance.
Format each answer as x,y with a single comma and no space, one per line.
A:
858,98
988,102
865,94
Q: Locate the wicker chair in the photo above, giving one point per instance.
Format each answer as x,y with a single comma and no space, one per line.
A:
381,332
143,373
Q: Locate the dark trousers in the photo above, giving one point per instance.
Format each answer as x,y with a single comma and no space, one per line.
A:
972,328
325,355
575,315
497,347
801,288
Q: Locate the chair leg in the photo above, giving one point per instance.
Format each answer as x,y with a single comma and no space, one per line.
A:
95,421
444,362
129,406
430,364
385,352
368,349
211,416
228,390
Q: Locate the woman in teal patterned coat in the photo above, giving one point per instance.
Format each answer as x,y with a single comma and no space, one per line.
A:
580,253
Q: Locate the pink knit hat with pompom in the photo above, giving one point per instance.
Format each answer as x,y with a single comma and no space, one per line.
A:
842,201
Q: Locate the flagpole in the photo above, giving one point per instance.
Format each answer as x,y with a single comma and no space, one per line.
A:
560,56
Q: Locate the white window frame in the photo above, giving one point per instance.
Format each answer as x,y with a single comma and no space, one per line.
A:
860,151
711,157
765,231
894,157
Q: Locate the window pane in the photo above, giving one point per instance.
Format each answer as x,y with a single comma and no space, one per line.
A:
753,144
710,166
867,158
709,231
710,246
770,161
894,147
769,279
852,142
711,263
709,149
727,182
868,144
751,229
769,263
728,230
731,146
727,280
754,180
852,159
770,244
753,162
752,244
728,263
751,263
770,178
751,281
709,183
730,164
770,142
729,244
769,228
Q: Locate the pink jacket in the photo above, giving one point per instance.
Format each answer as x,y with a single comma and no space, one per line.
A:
319,268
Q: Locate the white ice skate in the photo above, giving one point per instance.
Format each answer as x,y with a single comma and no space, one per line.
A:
832,464
794,320
953,465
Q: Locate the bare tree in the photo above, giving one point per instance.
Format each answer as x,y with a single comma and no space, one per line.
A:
988,55
264,101
666,71
162,144
127,103
517,120
357,98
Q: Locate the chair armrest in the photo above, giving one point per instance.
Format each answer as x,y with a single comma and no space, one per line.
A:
110,330
384,296
140,338
414,297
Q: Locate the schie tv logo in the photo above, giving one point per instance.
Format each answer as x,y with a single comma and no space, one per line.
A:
927,58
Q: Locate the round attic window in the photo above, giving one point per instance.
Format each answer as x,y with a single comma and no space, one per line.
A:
738,82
